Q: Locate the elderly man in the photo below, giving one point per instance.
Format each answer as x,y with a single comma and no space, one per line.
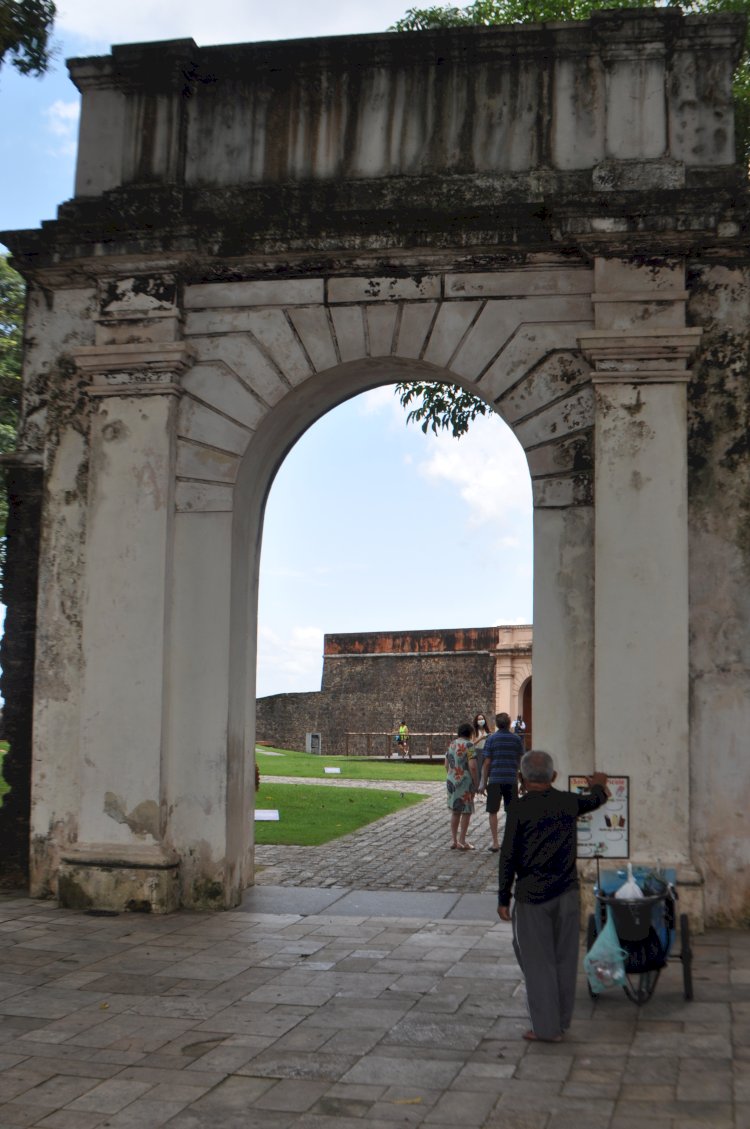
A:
539,852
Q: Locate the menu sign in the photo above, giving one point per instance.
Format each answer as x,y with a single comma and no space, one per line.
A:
606,831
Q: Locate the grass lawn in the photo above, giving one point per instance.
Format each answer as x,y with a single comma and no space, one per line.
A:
311,815
283,762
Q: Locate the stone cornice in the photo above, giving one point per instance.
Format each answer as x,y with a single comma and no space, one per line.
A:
134,370
642,355
406,218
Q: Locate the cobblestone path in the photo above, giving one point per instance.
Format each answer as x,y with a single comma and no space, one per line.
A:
409,850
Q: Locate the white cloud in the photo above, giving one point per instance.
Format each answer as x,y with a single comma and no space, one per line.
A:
289,662
62,123
488,468
384,402
222,21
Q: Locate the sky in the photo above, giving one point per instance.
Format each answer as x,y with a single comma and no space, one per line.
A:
370,525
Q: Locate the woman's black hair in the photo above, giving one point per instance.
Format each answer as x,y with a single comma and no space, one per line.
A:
465,729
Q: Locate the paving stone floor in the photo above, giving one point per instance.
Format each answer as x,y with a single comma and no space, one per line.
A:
344,1007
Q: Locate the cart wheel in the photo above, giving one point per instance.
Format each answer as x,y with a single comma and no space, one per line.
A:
590,938
641,990
686,956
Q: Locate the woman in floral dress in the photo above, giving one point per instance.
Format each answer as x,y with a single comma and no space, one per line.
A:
462,782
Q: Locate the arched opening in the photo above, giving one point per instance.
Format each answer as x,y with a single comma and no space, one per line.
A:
374,527
263,458
533,378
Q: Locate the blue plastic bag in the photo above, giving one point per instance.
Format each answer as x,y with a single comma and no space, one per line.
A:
604,963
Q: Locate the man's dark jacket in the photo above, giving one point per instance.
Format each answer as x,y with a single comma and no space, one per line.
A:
539,844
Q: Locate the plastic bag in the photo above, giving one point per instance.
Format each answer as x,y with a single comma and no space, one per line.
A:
630,890
604,963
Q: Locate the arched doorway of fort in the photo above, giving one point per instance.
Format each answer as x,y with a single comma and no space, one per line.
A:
503,208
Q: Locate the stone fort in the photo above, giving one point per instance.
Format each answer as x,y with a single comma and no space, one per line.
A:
432,679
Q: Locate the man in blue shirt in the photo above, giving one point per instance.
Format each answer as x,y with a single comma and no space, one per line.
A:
539,852
502,755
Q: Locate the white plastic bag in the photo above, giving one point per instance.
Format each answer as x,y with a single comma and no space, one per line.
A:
630,891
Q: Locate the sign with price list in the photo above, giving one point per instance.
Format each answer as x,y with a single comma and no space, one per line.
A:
606,831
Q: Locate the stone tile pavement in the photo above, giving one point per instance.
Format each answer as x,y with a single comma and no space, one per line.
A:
338,1007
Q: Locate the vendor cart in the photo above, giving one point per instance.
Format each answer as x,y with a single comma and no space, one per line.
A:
646,928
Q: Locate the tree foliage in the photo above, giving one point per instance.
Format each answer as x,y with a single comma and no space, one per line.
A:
12,297
446,407
25,32
489,12
441,407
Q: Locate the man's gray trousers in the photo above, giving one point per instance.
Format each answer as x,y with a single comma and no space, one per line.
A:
545,940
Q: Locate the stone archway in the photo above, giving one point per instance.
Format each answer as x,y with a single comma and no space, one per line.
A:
199,305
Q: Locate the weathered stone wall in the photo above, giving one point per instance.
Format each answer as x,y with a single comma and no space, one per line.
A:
284,719
406,106
371,693
719,494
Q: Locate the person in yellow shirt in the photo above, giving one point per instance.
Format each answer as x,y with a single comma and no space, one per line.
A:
403,740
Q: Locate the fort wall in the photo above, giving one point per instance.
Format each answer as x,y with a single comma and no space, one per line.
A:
432,679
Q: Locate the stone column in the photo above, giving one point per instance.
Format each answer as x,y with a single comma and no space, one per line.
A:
503,683
120,860
563,721
639,351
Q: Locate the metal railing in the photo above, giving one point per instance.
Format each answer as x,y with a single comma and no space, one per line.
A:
381,744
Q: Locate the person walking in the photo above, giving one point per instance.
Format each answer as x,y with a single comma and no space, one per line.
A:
502,755
461,783
539,855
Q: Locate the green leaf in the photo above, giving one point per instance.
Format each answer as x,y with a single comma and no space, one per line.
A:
441,407
25,32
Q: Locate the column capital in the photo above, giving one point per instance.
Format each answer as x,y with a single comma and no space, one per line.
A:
653,356
134,370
